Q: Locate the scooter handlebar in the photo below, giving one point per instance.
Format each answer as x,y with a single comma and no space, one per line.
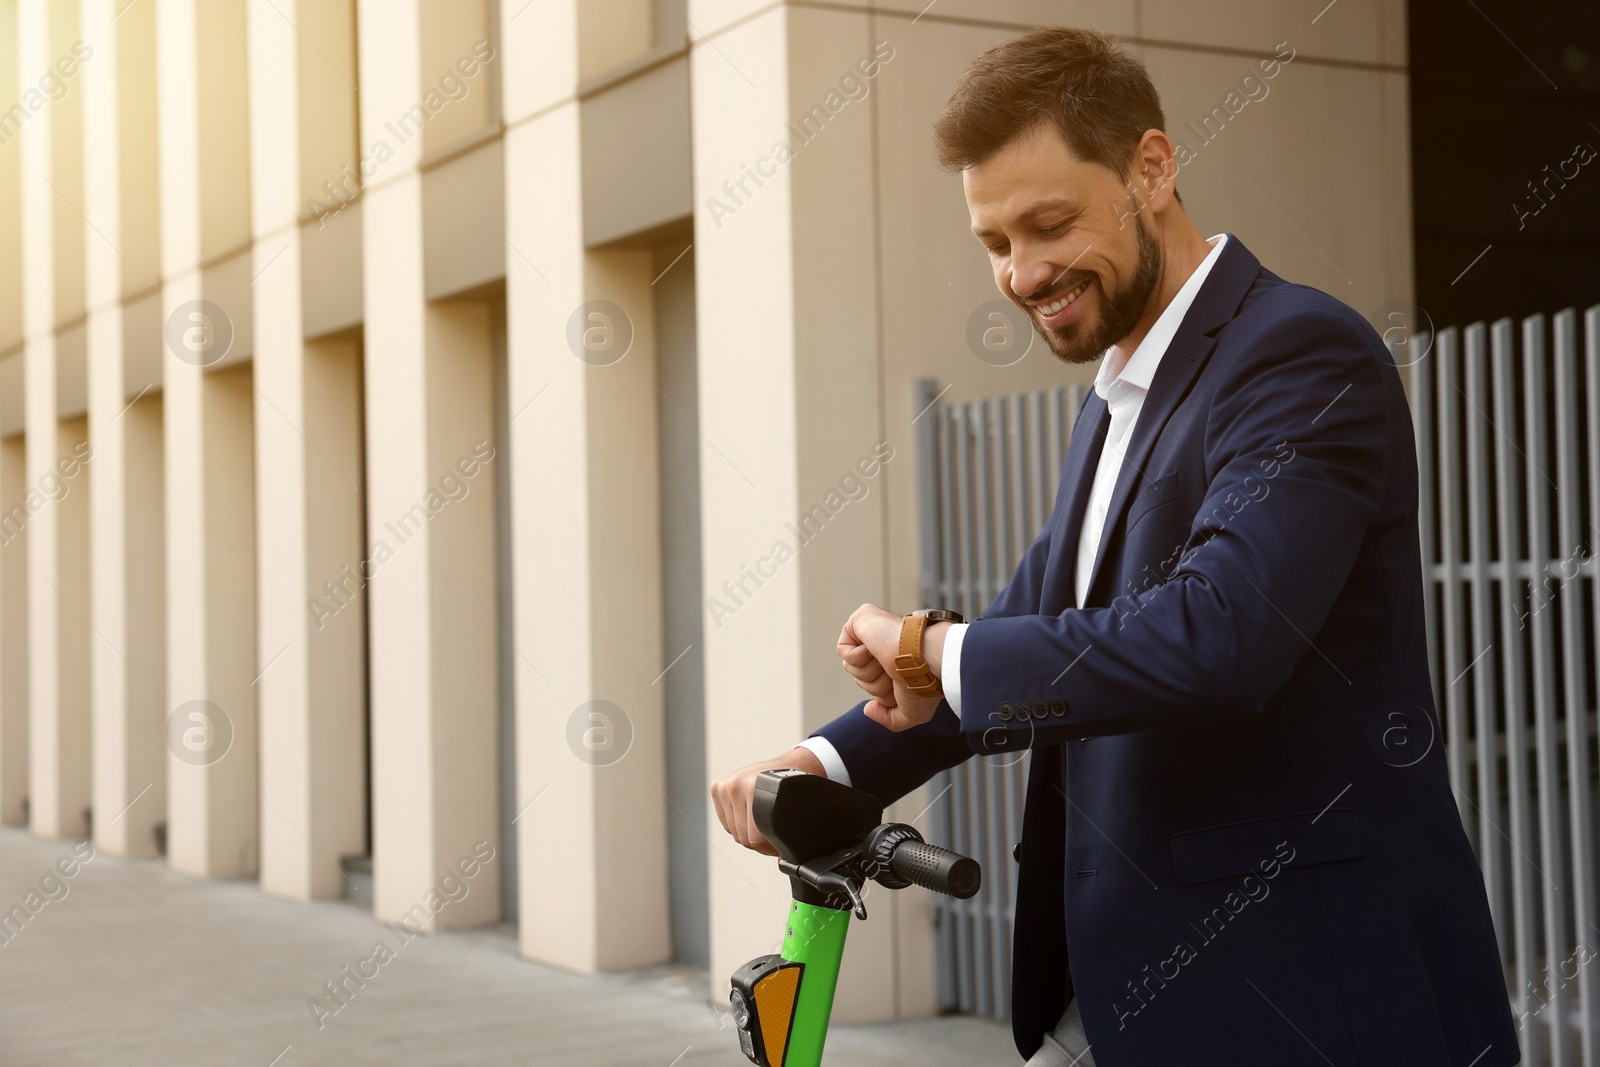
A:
936,868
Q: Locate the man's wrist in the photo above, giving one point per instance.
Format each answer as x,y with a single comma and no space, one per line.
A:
933,646
816,755
803,757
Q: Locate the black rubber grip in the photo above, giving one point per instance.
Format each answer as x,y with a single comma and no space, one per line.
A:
936,868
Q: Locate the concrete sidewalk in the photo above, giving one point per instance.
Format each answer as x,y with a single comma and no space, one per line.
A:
127,963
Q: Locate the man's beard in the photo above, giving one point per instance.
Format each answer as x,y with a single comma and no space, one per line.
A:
1120,313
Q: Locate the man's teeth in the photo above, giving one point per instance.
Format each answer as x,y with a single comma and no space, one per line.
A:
1055,307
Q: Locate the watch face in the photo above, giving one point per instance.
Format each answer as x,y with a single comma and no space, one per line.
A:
940,615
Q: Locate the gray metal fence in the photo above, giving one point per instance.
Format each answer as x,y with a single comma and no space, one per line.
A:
1508,431
1508,428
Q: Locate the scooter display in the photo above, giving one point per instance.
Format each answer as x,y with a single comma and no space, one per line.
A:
831,841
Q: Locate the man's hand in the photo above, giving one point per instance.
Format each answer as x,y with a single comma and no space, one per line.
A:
868,645
734,793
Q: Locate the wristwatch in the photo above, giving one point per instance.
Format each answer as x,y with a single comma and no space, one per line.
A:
909,664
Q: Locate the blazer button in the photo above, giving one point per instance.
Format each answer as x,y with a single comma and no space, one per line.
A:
1016,852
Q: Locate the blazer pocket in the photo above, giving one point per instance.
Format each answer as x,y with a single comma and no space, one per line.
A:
1162,490
1228,850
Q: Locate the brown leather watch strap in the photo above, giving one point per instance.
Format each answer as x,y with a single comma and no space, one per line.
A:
910,665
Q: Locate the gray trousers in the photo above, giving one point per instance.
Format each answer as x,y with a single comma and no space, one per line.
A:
1066,1046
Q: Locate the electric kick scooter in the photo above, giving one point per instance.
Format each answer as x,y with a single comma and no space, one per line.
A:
830,840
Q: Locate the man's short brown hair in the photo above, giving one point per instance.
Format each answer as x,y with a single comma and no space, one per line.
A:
1099,96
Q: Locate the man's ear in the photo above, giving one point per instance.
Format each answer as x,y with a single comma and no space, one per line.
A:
1155,171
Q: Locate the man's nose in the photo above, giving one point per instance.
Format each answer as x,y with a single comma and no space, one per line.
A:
1032,277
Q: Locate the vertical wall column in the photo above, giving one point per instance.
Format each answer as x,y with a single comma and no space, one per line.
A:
312,646
432,590
58,596
11,88
58,580
13,463
13,629
591,778
128,684
211,663
211,610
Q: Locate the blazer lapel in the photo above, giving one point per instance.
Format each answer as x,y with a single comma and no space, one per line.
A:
1213,308
1083,457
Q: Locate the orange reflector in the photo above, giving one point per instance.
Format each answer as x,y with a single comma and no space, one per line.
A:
775,999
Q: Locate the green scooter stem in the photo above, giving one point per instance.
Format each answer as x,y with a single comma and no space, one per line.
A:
815,938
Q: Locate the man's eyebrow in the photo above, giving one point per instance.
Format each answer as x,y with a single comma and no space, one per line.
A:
1049,204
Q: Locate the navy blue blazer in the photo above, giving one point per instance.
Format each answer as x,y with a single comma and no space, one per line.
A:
1240,844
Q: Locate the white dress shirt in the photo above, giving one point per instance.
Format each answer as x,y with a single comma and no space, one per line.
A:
1122,382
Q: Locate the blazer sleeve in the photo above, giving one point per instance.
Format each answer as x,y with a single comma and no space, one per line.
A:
888,764
1304,409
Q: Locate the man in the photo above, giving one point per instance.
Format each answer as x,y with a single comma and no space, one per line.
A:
1240,845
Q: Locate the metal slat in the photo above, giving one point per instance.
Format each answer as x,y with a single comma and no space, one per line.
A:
960,573
1508,509
1022,460
1017,526
1479,513
1552,847
924,397
1588,886
1452,614
973,520
1424,404
1007,504
932,465
988,484
949,592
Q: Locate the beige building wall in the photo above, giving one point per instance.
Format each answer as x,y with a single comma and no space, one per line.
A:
265,257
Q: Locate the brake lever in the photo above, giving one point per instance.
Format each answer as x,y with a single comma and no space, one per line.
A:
834,882
825,876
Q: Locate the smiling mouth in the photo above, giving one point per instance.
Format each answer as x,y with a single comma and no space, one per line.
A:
1061,303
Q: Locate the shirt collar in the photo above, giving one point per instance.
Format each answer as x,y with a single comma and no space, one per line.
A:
1139,370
